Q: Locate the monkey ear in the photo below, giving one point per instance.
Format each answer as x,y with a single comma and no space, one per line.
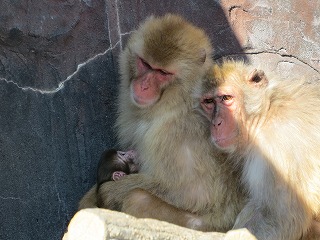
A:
258,78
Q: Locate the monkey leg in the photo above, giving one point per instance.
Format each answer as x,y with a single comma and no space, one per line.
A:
111,194
142,204
136,195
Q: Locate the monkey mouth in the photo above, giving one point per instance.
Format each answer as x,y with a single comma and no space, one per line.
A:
142,102
220,141
224,143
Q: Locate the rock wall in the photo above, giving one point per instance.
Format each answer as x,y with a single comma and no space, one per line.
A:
58,84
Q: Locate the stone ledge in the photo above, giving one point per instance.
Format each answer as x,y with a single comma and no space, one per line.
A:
102,224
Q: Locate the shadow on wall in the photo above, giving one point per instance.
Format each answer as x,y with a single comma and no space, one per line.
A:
208,15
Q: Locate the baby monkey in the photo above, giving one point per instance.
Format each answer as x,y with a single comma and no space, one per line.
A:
114,164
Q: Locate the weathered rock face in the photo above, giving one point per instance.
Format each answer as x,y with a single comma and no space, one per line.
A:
58,84
280,36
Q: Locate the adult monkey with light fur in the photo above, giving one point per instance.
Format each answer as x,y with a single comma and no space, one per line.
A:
159,69
271,127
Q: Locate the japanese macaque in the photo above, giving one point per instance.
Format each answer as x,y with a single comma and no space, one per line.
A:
114,165
271,127
183,178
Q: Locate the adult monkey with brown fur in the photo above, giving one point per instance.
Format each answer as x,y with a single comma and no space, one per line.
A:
159,68
272,127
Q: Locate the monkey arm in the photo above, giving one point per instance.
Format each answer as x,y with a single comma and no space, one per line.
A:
89,200
138,195
111,194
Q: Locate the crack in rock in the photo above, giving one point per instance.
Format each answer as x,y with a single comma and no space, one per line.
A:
81,65
279,52
234,7
12,198
61,84
284,54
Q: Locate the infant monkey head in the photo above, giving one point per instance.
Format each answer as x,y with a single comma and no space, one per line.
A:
114,164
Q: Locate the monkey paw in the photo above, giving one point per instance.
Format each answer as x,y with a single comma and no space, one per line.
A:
118,175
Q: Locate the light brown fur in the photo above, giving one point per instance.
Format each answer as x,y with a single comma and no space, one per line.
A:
277,140
178,162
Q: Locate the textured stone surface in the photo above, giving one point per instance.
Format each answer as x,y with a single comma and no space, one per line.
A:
281,36
58,83
100,224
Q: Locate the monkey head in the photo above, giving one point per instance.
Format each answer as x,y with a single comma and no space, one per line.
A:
229,96
164,51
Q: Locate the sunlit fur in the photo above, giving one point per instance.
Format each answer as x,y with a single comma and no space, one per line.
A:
279,147
178,162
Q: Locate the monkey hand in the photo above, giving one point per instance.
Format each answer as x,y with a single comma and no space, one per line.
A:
244,216
118,175
259,224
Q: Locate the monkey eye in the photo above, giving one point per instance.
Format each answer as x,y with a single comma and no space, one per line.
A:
163,72
226,98
120,153
147,65
208,101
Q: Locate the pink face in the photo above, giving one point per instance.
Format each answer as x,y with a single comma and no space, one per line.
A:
225,108
147,88
220,110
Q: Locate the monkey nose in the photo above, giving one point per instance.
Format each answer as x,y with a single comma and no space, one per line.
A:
216,123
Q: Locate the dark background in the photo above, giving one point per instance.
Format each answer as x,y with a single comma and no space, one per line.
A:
58,85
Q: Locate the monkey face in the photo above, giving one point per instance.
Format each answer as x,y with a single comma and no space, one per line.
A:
224,104
220,109
147,87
